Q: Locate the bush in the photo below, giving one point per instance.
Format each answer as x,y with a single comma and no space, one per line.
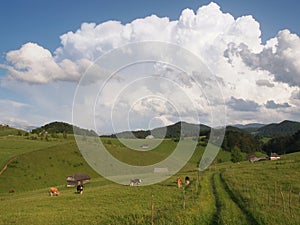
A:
236,155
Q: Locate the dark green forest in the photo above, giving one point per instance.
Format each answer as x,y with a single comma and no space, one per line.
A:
282,137
64,128
283,144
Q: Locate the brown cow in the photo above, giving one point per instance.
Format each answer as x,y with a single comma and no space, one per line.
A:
53,191
179,182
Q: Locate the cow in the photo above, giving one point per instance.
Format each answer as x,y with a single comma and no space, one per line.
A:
11,191
79,189
187,180
179,182
135,182
53,191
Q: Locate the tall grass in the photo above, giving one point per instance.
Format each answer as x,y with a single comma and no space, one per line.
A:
269,190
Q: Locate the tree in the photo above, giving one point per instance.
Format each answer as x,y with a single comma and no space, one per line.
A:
236,155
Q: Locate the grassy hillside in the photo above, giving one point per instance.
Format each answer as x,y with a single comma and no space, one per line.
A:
268,190
44,168
12,146
5,130
226,193
34,172
47,163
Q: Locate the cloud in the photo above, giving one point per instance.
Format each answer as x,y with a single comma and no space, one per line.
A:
272,105
248,72
280,57
296,95
243,105
265,83
35,64
206,33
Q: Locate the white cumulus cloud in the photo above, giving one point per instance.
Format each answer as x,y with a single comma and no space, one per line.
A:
248,72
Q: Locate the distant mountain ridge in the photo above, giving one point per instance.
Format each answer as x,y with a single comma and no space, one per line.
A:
250,128
283,128
172,131
249,125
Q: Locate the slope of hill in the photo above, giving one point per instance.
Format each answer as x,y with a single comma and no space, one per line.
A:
227,193
279,129
235,137
6,130
283,144
62,127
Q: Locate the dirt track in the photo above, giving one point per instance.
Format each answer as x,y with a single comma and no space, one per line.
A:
5,166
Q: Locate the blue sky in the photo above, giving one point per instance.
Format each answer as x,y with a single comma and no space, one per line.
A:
44,22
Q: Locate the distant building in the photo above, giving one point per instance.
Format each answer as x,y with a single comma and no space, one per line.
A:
73,180
274,156
144,146
42,133
150,137
257,159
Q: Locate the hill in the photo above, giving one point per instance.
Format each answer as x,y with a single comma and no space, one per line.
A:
6,130
284,128
283,144
245,142
62,127
226,193
250,128
171,131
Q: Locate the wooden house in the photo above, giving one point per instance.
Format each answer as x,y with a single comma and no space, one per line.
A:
74,179
274,156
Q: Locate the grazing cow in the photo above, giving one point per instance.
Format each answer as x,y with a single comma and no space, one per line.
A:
11,191
135,182
53,191
79,189
187,180
179,182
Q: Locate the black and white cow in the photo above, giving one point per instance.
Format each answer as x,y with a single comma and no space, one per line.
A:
135,182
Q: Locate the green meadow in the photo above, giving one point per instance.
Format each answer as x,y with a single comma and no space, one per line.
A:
226,193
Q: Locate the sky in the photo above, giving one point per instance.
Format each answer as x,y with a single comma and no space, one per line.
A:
50,68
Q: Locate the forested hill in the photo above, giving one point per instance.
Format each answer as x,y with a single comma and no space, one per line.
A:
244,141
172,131
279,129
283,144
250,128
62,127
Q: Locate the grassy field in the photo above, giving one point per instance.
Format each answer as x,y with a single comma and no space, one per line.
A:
225,193
12,146
268,190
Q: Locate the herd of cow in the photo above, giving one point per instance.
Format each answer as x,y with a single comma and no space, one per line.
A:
54,190
180,181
